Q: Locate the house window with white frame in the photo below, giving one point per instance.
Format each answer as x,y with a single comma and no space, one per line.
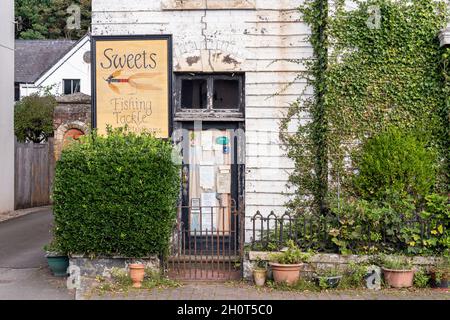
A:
71,86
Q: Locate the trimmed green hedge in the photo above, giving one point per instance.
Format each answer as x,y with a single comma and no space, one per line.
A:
116,195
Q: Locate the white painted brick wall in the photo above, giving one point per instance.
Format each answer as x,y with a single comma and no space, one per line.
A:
266,39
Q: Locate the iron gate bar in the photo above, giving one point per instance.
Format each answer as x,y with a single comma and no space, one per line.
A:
312,230
206,254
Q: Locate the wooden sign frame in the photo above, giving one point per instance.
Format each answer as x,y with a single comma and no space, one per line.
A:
97,39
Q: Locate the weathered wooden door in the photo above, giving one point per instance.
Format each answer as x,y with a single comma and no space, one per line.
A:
207,236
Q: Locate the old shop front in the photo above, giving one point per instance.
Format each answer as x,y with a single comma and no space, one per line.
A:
215,77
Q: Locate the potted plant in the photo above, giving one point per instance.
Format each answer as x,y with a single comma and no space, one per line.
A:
58,261
286,265
328,279
137,274
398,272
440,273
260,272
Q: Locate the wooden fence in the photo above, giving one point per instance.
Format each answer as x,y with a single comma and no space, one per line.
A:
34,173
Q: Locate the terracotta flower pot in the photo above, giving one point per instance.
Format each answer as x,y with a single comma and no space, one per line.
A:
398,278
259,276
287,273
137,273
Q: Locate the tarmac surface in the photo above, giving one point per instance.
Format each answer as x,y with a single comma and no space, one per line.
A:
24,274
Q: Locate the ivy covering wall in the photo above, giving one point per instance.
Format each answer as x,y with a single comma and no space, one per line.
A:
376,66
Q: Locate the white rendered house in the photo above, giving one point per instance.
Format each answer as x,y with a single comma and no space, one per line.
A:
59,66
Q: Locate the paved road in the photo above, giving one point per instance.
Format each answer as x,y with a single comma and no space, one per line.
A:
23,268
244,291
22,239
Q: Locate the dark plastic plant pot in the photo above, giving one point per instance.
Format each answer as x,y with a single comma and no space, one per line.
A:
58,265
332,282
442,284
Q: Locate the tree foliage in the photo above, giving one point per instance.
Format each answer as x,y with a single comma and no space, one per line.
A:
33,118
47,19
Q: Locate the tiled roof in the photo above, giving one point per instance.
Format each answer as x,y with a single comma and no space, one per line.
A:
34,57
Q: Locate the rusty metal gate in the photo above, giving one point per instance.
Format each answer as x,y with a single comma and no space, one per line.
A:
207,245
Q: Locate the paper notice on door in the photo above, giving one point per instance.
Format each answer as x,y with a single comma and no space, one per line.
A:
224,182
208,158
207,140
208,199
207,177
209,202
195,220
195,203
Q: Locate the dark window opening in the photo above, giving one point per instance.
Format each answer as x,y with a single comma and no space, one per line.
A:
194,94
226,94
71,86
16,92
211,92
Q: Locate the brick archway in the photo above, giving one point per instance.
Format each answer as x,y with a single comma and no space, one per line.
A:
73,134
67,132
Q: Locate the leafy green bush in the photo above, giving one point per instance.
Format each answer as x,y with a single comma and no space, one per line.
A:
355,226
293,255
391,226
421,279
116,195
395,162
33,118
437,211
397,263
354,276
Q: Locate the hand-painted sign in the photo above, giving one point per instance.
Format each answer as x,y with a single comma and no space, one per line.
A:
131,83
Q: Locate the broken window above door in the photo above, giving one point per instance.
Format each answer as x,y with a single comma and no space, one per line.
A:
209,95
226,94
194,94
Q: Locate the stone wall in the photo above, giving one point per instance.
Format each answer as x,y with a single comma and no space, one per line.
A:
72,112
102,266
322,261
83,270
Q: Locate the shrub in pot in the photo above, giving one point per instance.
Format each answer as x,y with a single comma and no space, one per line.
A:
286,265
260,273
440,274
57,260
398,272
